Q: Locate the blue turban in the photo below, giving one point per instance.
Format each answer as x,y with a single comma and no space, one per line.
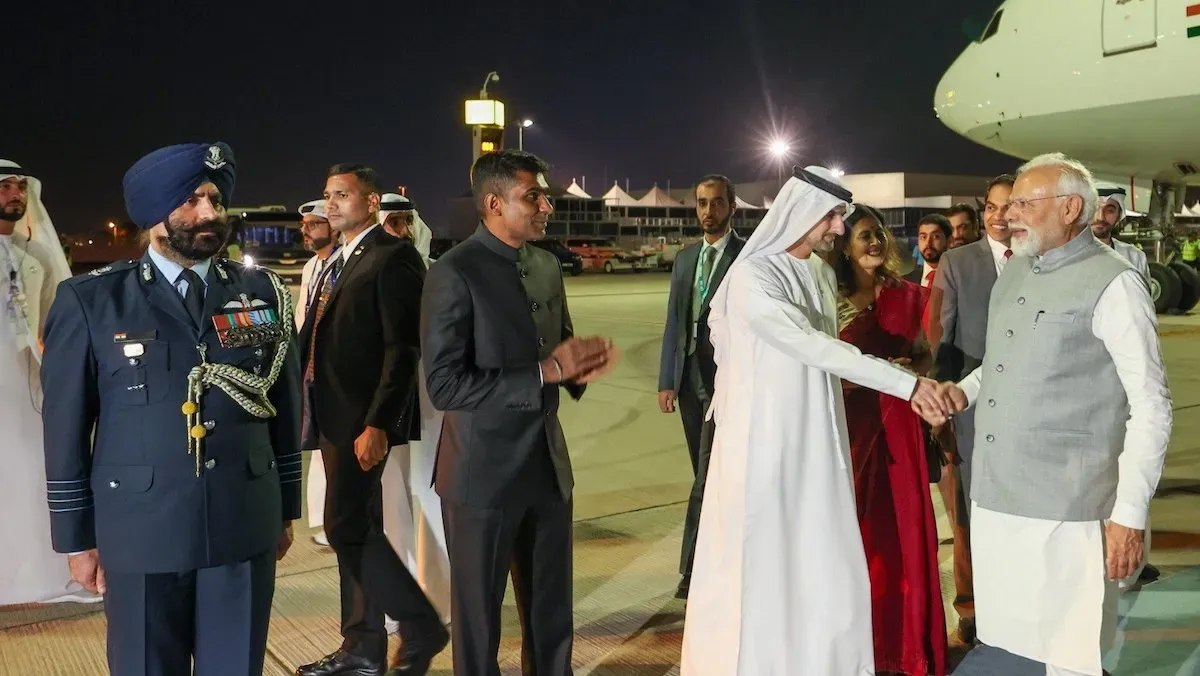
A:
162,181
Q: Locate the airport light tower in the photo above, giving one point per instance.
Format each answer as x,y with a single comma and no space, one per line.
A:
485,116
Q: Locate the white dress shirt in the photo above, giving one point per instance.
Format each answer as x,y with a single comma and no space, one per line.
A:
348,250
719,247
998,250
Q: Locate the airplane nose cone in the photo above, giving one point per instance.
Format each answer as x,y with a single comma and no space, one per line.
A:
950,100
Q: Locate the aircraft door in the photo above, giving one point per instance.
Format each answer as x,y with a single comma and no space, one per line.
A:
1129,25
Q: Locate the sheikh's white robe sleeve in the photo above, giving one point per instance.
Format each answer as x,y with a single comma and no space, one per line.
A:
1125,322
766,307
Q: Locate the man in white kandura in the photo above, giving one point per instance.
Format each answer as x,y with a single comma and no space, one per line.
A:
31,266
1072,421
324,243
780,585
412,509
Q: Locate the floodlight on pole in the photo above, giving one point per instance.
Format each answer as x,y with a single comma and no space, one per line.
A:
779,149
490,77
525,124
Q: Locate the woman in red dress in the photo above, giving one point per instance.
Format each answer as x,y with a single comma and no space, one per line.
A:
880,314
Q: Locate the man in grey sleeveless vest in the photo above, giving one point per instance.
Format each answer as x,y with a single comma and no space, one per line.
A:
1072,418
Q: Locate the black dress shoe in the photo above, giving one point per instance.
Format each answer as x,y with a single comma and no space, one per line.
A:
342,663
1149,574
685,583
416,655
966,631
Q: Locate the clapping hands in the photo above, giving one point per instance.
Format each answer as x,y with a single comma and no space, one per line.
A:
937,402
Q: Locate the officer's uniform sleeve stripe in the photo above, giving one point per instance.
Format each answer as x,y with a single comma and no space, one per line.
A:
68,496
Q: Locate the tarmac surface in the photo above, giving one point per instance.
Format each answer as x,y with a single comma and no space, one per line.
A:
632,481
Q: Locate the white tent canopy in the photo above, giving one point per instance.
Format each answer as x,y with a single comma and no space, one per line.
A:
577,191
657,197
616,197
743,204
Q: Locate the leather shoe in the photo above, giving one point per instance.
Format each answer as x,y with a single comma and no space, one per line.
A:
415,656
342,663
685,583
966,630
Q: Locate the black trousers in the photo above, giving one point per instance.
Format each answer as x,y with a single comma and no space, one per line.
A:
159,622
533,542
694,398
372,578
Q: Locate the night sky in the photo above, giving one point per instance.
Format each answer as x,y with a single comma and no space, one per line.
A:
646,91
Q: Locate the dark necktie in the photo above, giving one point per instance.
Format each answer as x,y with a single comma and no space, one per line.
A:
322,304
193,298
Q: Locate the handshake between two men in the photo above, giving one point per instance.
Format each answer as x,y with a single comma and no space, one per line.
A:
937,402
580,360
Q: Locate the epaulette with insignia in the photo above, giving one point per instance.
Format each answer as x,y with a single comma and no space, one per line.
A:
119,266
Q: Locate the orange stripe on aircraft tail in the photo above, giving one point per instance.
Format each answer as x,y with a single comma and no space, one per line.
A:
1193,10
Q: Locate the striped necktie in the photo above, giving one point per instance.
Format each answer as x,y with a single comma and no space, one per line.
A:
331,276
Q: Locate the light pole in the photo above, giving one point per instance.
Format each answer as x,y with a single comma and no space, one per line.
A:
490,77
779,149
525,124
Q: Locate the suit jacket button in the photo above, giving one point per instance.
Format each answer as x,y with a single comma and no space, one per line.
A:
271,465
541,341
114,484
1009,333
209,424
210,463
999,368
990,438
533,307
1021,300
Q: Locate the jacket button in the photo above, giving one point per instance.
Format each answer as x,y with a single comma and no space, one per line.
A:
1009,333
271,465
992,402
999,368
990,438
210,463
1036,270
134,361
1021,300
114,484
524,272
209,424
541,341
533,307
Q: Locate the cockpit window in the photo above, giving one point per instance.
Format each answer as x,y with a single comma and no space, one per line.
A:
993,26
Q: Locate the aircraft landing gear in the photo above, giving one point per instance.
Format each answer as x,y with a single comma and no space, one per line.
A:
1174,286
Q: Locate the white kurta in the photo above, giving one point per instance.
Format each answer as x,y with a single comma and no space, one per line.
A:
1040,586
780,585
30,570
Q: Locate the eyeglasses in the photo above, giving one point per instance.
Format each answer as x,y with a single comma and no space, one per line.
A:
1022,204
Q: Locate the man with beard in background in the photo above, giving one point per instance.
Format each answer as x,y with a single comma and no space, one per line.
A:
181,503
686,371
320,239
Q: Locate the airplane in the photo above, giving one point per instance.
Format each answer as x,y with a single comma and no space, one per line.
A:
1112,83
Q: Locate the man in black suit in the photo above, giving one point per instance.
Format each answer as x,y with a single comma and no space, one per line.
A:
360,347
933,239
497,344
686,371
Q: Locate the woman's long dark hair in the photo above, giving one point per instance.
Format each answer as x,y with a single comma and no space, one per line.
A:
843,267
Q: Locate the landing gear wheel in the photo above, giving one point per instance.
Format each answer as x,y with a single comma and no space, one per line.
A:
1189,287
1165,287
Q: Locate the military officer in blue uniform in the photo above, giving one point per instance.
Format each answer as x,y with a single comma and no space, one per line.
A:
172,429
